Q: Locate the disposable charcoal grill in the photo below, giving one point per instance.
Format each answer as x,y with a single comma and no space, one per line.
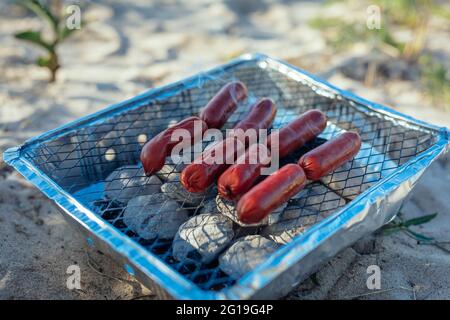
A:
71,164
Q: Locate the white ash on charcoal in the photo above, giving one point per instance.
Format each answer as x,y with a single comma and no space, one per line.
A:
170,170
130,181
176,191
202,238
296,222
154,216
246,254
228,208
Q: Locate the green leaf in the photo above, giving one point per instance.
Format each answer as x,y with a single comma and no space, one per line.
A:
43,62
419,236
420,220
36,38
42,11
390,230
66,32
441,11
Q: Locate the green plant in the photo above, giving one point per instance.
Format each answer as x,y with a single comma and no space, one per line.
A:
401,225
59,32
435,80
412,15
405,225
339,33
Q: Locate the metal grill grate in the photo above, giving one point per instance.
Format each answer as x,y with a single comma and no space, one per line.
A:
81,161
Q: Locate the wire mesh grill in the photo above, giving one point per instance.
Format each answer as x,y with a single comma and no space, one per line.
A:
90,163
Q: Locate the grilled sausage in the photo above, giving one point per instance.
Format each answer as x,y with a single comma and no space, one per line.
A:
298,132
223,104
240,177
155,151
330,155
260,116
269,194
200,174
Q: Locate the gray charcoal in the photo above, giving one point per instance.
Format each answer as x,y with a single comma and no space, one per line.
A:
296,222
170,170
274,217
202,238
228,208
175,190
154,216
246,254
209,206
130,181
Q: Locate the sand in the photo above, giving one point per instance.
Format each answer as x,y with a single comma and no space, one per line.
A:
129,47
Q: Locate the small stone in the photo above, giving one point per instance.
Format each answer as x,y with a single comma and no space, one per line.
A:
154,216
128,182
228,209
202,238
246,254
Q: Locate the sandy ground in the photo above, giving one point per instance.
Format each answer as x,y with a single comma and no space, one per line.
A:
125,49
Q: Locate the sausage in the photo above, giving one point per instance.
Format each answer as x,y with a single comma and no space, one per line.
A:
260,116
240,177
271,193
155,151
223,104
298,132
200,174
330,155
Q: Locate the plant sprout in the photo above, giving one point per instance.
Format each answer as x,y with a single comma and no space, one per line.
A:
401,225
59,33
414,16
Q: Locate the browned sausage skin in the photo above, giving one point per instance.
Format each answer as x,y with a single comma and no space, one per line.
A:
240,177
200,174
298,132
155,151
260,116
269,194
330,155
223,104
